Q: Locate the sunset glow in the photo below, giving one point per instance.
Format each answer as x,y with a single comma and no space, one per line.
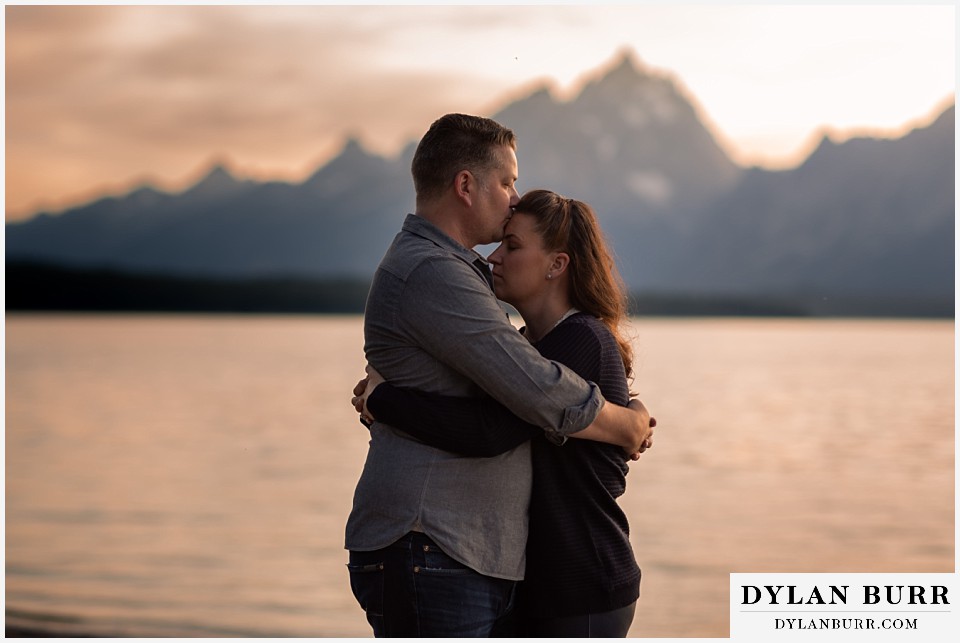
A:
101,98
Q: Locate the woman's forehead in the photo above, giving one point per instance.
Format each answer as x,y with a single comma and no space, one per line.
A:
521,224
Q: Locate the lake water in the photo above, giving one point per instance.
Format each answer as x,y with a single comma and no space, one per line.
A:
191,475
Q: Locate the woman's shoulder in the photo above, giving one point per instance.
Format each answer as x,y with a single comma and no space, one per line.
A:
580,330
585,323
611,375
574,345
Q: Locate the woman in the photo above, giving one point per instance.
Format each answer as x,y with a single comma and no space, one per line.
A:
554,268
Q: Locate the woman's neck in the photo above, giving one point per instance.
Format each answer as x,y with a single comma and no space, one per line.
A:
542,316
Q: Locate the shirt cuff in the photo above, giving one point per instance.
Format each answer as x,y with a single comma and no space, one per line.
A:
577,418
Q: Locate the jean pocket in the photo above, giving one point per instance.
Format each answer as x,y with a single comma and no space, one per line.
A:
436,561
366,582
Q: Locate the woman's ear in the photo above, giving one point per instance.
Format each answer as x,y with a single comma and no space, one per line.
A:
559,263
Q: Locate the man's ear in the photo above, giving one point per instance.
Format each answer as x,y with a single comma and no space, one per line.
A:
465,186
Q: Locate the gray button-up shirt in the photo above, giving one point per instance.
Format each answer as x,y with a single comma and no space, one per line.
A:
432,323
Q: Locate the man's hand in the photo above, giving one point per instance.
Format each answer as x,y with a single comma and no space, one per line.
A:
643,433
628,427
648,443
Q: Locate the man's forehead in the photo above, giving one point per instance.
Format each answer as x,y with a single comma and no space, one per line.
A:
508,157
504,164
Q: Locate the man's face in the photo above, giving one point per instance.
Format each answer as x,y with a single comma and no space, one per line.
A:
496,197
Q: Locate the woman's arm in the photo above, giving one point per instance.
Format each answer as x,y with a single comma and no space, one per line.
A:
482,426
476,427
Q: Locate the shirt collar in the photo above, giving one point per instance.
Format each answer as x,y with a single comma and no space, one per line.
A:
422,228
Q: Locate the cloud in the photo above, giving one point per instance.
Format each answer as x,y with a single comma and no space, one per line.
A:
123,89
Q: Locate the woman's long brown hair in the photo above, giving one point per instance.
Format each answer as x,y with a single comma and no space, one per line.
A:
570,226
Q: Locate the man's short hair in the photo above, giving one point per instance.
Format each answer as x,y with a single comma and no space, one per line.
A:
453,143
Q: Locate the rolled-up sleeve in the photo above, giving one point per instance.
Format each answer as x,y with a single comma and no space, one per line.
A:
448,309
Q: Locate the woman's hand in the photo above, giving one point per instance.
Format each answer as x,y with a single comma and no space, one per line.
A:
356,401
362,391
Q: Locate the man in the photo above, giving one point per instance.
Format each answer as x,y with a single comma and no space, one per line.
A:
436,540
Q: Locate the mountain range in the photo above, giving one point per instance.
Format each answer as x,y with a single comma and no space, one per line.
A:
868,217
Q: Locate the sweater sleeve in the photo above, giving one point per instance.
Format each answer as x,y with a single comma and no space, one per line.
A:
474,427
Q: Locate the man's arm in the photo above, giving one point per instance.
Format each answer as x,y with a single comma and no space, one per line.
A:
481,427
630,427
452,314
449,311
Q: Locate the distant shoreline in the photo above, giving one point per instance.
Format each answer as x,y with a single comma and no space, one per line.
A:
14,631
46,288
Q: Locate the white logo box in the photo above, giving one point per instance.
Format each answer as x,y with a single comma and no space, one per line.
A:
850,608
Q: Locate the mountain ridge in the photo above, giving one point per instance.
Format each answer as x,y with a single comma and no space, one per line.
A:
861,216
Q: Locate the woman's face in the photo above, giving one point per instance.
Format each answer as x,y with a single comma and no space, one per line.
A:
520,264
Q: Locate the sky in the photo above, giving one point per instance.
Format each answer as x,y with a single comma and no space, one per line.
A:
100,99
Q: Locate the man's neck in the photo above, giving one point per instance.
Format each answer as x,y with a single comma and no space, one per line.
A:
446,220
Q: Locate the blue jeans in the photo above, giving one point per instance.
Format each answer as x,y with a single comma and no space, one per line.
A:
413,589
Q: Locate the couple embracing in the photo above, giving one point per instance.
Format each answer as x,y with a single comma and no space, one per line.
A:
487,505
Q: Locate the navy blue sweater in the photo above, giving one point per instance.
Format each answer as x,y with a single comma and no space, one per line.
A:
579,558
